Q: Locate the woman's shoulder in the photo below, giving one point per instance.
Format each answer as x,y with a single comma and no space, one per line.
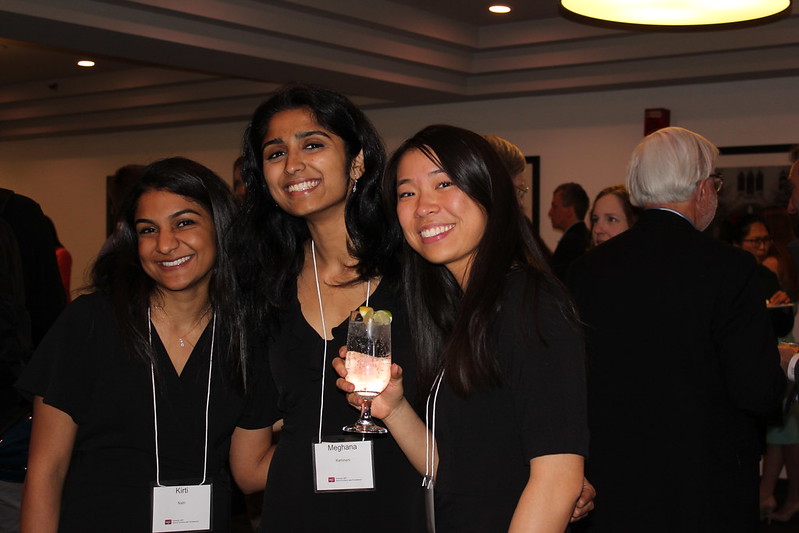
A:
89,302
524,281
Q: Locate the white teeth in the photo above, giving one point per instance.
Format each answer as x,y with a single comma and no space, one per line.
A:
303,186
432,232
176,262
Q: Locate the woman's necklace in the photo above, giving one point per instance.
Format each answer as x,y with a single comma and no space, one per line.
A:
182,338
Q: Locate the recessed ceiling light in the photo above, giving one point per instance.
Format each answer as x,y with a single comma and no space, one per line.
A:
85,63
499,9
676,12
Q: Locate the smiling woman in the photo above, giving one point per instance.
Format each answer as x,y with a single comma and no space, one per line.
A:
177,241
313,244
497,342
145,378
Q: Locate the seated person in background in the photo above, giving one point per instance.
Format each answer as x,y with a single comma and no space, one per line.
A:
749,233
612,213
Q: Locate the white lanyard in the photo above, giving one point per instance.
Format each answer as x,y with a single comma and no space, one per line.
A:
430,437
324,332
207,402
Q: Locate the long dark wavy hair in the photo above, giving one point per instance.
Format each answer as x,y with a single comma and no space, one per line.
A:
451,328
119,273
268,243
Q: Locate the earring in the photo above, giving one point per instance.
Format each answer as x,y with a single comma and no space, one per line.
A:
354,185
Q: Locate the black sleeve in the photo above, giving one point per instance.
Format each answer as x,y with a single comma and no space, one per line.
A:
545,369
62,370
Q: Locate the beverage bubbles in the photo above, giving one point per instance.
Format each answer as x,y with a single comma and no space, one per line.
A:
369,374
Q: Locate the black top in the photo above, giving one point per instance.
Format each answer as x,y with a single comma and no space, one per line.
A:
80,368
290,502
485,442
572,245
682,370
44,293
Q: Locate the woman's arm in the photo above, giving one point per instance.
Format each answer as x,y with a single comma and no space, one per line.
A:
52,439
393,408
546,503
251,451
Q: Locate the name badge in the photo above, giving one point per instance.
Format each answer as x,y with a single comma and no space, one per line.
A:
182,508
343,466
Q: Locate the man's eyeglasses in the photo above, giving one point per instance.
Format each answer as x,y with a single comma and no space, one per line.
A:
759,241
718,181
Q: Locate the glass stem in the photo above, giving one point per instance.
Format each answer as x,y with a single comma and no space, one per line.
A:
366,410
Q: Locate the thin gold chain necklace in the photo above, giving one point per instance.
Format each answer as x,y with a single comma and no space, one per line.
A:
182,338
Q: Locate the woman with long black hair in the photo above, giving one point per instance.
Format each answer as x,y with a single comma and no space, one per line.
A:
311,247
139,385
497,345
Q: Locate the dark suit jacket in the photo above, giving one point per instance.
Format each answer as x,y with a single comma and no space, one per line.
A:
682,369
44,293
573,244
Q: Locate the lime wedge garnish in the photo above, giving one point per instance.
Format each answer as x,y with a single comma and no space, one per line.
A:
366,313
382,318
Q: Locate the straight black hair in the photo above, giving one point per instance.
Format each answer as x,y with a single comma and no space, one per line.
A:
452,328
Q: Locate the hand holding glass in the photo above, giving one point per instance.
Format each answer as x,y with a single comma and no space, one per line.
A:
368,363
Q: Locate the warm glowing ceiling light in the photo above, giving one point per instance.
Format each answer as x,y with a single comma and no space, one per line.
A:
677,12
499,9
85,63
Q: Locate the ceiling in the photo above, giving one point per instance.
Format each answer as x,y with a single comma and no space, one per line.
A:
169,62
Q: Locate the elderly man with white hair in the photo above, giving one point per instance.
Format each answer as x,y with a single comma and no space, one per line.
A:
683,367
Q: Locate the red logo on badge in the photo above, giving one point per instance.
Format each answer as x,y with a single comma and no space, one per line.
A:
167,522
331,480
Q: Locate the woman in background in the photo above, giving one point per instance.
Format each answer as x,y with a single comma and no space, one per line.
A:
497,342
143,381
612,213
749,232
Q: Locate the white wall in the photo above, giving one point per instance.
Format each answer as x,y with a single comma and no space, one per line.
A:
585,138
67,175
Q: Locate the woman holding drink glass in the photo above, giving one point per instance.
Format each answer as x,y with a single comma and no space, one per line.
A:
497,344
311,248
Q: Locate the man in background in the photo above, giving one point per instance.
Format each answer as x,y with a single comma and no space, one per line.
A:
569,206
31,298
682,368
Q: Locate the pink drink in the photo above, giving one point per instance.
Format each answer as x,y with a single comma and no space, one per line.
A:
369,374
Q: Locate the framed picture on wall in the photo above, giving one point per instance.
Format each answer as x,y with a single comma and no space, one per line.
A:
755,177
532,199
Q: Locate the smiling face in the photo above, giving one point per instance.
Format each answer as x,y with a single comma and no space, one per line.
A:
305,165
440,222
608,218
177,241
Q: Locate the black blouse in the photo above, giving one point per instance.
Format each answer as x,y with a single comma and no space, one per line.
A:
81,369
290,501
